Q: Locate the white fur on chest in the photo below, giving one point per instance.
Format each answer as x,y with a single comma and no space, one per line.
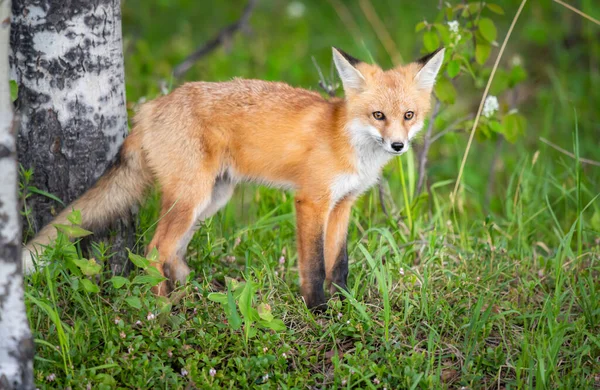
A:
370,159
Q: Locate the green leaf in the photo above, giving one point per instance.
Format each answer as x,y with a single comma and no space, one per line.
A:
487,28
89,286
153,271
264,312
420,26
48,195
453,68
148,280
246,298
72,231
495,8
482,52
445,91
275,324
88,267
514,125
153,255
443,31
218,297
14,90
517,74
134,302
495,126
75,217
119,281
139,261
431,41
234,319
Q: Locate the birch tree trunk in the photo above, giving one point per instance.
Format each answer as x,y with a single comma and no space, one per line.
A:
16,343
67,59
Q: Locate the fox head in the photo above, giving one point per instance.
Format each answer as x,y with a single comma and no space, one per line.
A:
386,109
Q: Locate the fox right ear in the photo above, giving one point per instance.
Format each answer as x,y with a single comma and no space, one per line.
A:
352,79
430,66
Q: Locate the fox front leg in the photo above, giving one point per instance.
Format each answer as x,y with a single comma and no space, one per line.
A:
310,221
336,251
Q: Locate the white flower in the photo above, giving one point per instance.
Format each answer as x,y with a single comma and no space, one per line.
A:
401,271
212,372
265,377
490,106
184,372
296,9
282,260
283,355
453,26
150,316
51,377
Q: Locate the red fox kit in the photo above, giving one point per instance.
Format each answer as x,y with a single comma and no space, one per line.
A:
202,139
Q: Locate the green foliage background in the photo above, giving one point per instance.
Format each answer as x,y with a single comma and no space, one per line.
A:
501,291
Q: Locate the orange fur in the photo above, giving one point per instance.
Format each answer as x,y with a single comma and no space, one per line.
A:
203,138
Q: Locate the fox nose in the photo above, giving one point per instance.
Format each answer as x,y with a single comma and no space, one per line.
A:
397,146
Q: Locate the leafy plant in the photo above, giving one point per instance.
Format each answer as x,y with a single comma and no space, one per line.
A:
241,296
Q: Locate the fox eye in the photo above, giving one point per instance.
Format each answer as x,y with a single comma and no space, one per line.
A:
408,115
378,115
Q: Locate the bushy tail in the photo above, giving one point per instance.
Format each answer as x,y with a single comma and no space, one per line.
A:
121,186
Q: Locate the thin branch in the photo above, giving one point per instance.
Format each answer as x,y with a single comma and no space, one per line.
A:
485,93
223,36
382,34
425,149
578,11
329,88
566,152
452,127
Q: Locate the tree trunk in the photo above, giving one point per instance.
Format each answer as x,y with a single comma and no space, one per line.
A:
67,58
16,343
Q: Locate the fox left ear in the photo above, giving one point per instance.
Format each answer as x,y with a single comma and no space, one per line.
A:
431,65
352,79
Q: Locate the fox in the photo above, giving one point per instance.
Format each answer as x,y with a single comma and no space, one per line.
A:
202,139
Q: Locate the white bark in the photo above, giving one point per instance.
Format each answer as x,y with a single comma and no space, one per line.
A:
16,344
67,59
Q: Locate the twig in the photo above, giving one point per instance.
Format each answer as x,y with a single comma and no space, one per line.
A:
382,34
563,151
329,88
425,149
223,36
485,93
578,11
450,128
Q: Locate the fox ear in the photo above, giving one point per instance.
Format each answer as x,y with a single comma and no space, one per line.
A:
352,79
431,65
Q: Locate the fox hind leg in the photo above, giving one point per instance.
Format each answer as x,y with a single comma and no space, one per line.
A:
179,213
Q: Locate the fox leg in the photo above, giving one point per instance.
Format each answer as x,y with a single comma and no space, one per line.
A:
179,212
310,220
336,252
221,194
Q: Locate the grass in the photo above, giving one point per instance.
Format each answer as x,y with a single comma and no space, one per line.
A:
509,300
438,296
